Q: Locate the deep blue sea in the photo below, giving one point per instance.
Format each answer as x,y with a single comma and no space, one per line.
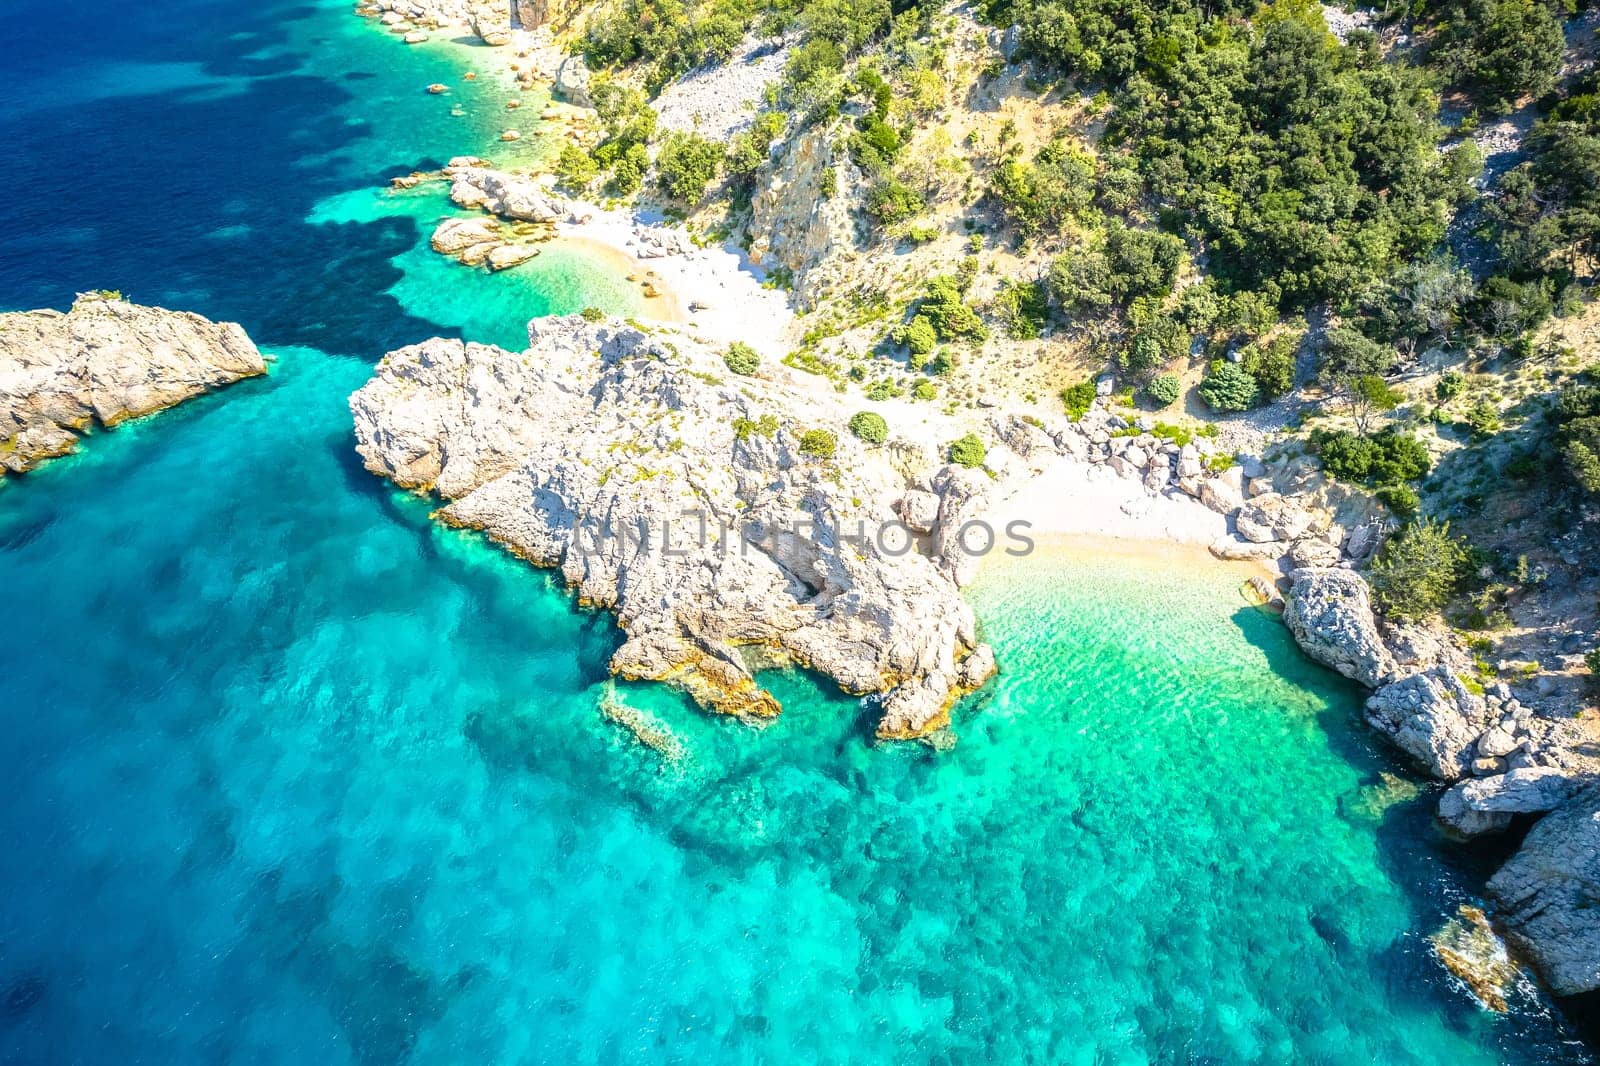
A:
293,775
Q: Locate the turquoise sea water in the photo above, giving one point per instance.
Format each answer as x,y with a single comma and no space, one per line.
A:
294,775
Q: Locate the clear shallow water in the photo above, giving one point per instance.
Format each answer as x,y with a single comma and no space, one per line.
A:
295,776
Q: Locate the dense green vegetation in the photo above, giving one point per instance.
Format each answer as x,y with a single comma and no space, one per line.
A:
1418,570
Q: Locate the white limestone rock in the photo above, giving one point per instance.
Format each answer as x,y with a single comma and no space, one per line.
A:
1329,612
598,449
1432,717
106,361
1487,804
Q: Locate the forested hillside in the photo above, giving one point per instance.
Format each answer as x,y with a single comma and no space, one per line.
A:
1368,234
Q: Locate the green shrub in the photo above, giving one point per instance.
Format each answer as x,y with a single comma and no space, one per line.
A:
1228,388
920,339
686,164
925,390
950,317
1483,419
593,314
1451,385
969,451
1401,499
869,426
819,443
1592,661
1024,308
1418,570
741,358
891,200
1164,389
1272,365
1078,399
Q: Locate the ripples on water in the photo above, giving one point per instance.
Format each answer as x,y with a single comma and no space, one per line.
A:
294,775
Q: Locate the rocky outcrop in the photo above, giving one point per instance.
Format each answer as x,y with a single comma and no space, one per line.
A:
511,196
105,361
490,20
1330,614
1433,717
1547,896
686,506
803,213
482,242
1487,804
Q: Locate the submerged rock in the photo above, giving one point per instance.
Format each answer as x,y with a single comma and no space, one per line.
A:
1547,896
105,361
686,506
1469,948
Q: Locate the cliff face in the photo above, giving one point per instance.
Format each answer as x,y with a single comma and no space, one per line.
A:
803,214
105,361
684,504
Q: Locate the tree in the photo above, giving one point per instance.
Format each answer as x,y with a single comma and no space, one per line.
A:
1164,390
1228,388
1352,369
1500,49
1418,571
968,451
869,426
1370,396
575,169
686,164
741,358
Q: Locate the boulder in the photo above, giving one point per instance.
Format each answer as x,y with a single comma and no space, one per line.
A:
1274,517
1487,804
1221,493
1545,896
1432,717
919,510
1313,552
572,82
1329,612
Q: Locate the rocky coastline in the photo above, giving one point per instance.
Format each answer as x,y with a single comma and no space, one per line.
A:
101,363
697,509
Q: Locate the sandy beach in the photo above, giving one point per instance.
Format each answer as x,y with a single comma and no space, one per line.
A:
714,293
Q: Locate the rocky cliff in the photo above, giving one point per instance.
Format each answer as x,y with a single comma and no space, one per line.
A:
686,504
105,361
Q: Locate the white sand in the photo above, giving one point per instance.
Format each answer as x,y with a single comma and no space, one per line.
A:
1082,499
715,292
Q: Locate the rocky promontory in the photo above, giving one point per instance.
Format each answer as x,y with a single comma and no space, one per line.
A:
730,523
105,361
